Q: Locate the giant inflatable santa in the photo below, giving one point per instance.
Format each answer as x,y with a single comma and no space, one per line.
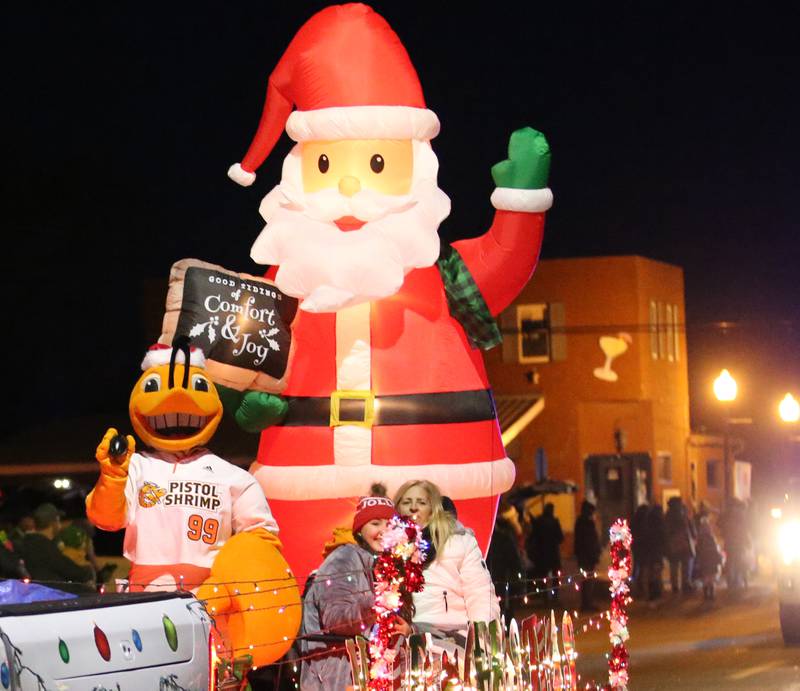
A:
387,381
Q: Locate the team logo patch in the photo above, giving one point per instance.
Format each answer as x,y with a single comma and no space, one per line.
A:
150,494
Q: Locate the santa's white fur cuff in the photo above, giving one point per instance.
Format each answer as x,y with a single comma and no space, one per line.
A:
510,199
240,175
362,122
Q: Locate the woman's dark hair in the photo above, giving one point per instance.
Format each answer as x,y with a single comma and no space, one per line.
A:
361,542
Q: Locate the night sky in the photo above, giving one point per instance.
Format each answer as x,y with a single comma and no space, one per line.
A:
674,135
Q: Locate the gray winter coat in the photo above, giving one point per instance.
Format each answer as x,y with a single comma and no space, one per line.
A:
338,602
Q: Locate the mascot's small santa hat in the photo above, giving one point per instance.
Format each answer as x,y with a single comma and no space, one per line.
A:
350,78
160,354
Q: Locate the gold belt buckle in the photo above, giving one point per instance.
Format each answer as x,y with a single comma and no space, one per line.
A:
369,408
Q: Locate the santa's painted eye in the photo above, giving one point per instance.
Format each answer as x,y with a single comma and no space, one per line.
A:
152,383
377,163
323,164
199,383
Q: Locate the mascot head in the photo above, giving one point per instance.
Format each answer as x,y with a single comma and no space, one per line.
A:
174,405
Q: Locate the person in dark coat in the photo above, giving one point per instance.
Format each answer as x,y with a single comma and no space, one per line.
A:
339,603
640,549
543,547
587,551
44,559
656,539
708,558
681,539
737,539
505,564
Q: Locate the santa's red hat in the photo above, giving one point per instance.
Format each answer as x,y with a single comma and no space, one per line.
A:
350,77
160,354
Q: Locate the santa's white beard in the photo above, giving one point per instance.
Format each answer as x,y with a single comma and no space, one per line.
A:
331,269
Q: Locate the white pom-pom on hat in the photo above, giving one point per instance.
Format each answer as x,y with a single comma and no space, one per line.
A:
240,175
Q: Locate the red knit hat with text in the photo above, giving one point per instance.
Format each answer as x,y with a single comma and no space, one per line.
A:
349,77
370,508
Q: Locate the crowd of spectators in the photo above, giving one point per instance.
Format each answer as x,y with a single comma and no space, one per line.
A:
43,547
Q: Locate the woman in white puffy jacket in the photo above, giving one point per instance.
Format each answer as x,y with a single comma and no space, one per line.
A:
458,586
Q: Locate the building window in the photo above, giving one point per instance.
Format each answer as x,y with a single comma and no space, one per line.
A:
675,337
533,329
664,461
534,333
670,333
662,332
712,474
653,330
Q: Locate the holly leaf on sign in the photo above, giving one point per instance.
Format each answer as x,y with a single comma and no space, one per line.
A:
197,329
273,344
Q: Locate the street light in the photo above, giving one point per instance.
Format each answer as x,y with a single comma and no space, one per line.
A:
725,389
789,409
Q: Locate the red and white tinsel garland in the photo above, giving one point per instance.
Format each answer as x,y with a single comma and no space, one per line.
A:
398,574
618,573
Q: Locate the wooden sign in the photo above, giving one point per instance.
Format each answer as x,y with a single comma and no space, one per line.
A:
240,322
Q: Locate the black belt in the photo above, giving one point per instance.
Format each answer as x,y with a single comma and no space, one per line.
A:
364,409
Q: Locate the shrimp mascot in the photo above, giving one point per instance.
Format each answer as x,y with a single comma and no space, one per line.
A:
192,520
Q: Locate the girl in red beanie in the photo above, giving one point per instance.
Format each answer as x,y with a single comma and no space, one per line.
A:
339,603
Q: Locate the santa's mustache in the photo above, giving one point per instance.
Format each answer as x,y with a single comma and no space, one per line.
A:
330,205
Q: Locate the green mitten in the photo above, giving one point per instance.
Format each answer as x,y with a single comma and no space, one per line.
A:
528,164
259,410
253,411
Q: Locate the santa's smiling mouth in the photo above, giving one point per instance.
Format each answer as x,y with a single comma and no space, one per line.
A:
175,425
347,223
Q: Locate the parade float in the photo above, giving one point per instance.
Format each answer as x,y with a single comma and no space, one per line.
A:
358,359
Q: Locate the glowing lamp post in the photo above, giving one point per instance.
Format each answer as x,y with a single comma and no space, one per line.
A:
789,409
725,389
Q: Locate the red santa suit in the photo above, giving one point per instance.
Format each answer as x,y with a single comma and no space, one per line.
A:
388,390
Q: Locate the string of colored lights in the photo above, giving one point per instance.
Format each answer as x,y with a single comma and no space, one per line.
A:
547,582
593,621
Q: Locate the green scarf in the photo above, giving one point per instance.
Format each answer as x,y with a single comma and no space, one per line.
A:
465,302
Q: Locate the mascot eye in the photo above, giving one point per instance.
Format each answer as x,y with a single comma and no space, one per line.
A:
199,383
377,163
152,383
323,163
